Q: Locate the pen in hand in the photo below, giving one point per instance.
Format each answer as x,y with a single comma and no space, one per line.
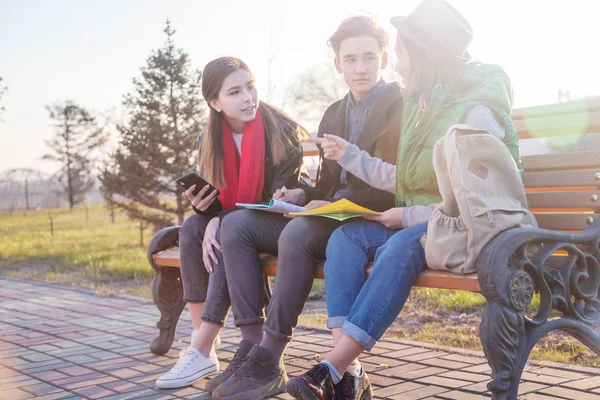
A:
280,194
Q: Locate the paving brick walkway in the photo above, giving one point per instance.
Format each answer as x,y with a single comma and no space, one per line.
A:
61,343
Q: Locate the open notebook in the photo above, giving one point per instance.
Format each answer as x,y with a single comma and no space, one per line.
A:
340,210
275,206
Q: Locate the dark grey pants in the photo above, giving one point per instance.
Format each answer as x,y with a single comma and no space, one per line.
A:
198,285
300,245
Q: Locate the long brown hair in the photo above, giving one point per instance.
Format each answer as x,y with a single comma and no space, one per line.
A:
427,71
280,129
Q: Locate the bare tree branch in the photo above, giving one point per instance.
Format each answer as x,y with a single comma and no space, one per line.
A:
312,91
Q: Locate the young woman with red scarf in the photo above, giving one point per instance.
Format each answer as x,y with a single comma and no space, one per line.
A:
248,150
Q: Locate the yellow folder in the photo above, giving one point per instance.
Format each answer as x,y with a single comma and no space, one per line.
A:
340,210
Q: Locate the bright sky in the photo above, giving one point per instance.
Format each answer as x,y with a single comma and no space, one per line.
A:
89,51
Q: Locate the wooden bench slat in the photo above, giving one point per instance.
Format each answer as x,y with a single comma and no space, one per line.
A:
583,177
545,110
167,258
447,280
545,162
310,152
428,278
564,221
572,199
558,125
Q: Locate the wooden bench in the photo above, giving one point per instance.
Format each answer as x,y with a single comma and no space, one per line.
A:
564,193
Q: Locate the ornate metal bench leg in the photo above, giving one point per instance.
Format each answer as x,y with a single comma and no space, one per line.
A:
166,290
502,333
511,268
505,332
168,297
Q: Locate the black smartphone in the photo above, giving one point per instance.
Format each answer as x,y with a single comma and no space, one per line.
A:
188,180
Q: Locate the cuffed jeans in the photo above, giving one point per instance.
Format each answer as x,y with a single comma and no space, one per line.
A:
300,245
364,308
198,285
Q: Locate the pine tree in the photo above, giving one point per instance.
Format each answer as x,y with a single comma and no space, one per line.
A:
76,140
158,143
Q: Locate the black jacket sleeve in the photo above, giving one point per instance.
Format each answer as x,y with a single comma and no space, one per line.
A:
215,208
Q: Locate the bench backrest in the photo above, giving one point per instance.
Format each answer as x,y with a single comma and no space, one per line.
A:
563,188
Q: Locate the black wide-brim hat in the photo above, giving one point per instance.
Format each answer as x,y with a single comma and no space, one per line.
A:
438,28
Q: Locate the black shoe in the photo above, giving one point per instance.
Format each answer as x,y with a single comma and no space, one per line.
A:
238,359
316,384
354,388
258,377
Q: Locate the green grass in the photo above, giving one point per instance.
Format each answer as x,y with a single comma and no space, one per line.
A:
94,244
447,300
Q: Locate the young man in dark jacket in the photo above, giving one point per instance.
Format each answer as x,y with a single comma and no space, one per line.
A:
368,116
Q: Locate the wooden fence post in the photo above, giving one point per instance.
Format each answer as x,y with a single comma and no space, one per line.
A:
141,234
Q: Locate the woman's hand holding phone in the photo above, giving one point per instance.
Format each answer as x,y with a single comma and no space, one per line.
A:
197,201
197,188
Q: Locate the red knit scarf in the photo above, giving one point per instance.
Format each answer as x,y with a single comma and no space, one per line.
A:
245,174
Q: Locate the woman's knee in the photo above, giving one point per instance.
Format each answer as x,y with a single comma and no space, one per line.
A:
409,238
235,226
342,239
401,254
297,233
344,252
193,228
304,237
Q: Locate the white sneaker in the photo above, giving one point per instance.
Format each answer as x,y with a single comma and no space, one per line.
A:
217,340
190,367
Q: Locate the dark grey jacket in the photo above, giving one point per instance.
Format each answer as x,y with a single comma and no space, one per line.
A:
379,138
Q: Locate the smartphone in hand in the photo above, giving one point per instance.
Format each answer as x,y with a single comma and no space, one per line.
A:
188,180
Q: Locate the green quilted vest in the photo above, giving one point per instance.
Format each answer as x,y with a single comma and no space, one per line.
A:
476,84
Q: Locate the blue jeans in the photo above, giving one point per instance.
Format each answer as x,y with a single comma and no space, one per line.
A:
365,308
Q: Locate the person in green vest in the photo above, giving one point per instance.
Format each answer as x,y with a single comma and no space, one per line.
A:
442,86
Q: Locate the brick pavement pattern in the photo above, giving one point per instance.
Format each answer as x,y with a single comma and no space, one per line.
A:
64,343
